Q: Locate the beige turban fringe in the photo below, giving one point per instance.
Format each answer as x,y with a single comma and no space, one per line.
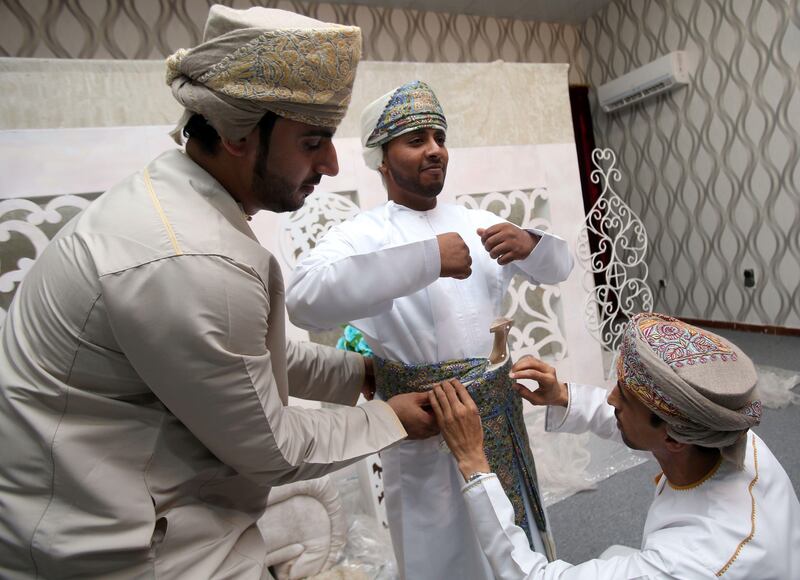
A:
373,156
258,60
702,385
407,108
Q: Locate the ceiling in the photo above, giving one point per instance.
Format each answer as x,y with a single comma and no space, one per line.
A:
568,11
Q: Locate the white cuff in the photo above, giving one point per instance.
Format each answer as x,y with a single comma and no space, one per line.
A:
476,482
557,415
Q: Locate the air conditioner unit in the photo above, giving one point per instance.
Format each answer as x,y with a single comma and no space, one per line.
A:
663,74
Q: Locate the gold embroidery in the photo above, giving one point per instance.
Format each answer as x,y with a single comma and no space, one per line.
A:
700,481
160,210
752,515
298,66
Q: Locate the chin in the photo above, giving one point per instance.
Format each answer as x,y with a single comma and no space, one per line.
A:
433,190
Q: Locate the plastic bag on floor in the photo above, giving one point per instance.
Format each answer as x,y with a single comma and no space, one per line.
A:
775,387
369,549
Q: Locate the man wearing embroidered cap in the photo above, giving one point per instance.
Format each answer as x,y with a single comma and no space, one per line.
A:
423,281
144,367
723,507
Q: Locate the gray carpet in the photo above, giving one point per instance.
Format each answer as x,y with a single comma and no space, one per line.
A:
587,523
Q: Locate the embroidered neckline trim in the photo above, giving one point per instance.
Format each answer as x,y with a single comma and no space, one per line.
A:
700,481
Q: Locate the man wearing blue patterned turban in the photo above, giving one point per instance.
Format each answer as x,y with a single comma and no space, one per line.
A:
144,366
423,281
723,506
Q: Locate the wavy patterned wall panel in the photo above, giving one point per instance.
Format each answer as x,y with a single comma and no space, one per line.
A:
713,169
152,29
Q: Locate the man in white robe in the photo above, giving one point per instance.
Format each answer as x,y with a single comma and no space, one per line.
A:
723,506
423,282
144,369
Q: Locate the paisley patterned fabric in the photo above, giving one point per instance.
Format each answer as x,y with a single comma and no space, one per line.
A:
410,107
298,66
633,374
702,385
258,60
500,407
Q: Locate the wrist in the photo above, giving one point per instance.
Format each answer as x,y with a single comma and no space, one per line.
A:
563,398
534,240
369,371
477,464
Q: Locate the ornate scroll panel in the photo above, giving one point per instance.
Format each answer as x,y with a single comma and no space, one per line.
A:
617,254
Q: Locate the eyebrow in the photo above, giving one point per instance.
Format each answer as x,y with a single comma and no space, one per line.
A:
318,132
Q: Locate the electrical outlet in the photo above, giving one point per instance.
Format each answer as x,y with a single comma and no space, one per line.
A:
749,278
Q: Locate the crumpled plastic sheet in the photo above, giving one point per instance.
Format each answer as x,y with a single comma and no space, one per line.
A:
368,554
369,549
775,387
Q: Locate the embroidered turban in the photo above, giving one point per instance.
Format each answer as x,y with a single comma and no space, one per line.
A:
258,60
409,107
699,383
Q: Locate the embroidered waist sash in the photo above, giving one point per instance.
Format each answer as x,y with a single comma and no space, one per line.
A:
500,407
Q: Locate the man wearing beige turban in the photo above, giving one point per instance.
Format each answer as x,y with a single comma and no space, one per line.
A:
723,506
144,369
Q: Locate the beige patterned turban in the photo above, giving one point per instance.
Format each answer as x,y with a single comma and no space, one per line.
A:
260,59
699,383
407,108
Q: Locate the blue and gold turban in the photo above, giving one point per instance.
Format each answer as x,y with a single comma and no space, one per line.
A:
702,385
409,107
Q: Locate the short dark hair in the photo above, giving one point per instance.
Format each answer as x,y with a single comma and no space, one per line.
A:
199,129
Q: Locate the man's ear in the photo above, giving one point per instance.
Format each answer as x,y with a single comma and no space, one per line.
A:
242,147
238,148
673,446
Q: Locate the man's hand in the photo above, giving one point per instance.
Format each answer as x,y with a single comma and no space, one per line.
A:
368,388
415,415
550,391
454,255
505,242
458,418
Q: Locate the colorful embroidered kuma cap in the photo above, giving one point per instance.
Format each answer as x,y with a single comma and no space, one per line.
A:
260,59
702,385
407,108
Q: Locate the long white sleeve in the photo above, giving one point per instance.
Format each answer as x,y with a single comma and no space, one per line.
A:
337,282
587,410
380,272
506,547
550,261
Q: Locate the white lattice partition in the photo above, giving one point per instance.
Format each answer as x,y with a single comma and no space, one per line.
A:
26,227
49,175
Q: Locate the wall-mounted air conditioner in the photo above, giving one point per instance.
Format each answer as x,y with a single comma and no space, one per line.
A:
663,74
